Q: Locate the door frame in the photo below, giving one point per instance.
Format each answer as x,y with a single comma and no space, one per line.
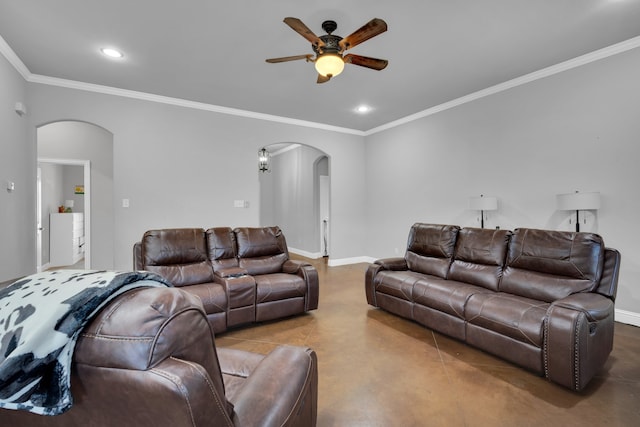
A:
87,208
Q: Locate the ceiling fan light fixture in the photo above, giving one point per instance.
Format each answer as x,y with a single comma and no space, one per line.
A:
329,65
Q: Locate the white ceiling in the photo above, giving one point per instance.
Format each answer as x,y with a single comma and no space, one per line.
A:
214,52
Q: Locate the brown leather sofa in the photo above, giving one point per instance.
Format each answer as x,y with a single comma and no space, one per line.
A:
149,359
242,275
541,299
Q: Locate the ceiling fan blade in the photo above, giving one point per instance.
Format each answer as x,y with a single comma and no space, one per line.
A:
289,58
299,27
323,79
364,33
365,61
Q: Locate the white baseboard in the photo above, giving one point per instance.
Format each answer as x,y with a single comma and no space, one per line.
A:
312,255
628,317
346,261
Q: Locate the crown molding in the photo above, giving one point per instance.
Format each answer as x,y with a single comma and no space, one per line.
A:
126,93
13,59
17,63
597,55
518,81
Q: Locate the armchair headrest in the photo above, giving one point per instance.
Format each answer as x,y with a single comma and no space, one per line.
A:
145,326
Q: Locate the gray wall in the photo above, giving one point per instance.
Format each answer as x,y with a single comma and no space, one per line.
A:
17,164
182,167
577,130
73,176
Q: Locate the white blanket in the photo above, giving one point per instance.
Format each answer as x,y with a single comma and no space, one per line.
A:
41,317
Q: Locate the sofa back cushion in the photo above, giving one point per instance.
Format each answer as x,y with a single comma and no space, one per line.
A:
221,247
178,254
480,256
146,327
549,265
261,250
430,248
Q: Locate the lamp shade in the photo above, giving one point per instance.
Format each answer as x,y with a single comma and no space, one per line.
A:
330,65
578,201
483,203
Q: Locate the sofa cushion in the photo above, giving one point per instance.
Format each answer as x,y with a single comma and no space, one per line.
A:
279,286
479,256
516,317
549,265
261,250
179,255
221,248
430,248
445,295
397,283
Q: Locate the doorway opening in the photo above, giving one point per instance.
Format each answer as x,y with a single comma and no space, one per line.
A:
89,148
58,198
295,195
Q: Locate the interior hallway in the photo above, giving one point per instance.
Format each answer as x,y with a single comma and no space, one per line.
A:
376,369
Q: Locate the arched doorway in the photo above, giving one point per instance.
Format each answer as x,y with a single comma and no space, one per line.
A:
62,146
295,195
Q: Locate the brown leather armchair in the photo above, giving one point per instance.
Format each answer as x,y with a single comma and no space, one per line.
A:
149,359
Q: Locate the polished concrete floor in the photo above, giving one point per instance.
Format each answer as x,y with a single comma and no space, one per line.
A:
376,369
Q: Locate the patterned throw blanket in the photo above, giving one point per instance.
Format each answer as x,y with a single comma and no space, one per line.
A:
41,317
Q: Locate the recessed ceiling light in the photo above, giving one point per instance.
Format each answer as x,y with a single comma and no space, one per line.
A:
111,53
362,109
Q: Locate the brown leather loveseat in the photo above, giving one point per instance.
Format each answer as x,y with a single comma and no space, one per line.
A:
242,275
541,299
149,359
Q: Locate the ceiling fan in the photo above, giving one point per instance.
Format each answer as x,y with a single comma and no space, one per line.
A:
329,49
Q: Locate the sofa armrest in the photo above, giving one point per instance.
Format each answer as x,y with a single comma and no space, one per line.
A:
310,276
175,392
595,307
293,266
281,391
610,271
395,263
578,338
138,262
